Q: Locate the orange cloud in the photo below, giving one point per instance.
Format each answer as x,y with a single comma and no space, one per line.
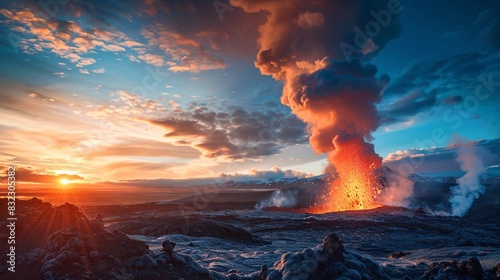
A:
113,48
153,59
137,147
28,175
187,53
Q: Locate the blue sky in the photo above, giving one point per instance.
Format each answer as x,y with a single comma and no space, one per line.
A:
113,90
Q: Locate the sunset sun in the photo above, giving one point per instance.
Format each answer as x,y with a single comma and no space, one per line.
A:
64,181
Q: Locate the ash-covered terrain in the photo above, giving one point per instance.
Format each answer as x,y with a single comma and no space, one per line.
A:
241,235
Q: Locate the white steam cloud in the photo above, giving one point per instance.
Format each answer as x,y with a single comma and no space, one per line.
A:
279,198
398,191
469,185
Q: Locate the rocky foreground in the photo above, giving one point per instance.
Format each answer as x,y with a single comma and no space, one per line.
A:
63,243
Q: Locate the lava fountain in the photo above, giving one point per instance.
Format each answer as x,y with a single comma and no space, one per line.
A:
356,186
334,92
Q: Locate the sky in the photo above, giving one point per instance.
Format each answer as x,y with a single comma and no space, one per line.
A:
112,91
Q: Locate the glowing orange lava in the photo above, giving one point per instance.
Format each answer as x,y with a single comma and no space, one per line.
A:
355,186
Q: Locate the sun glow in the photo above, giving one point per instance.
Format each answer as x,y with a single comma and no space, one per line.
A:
64,181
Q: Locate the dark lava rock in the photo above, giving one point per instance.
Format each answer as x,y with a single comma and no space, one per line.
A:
467,242
332,245
63,243
39,220
83,252
168,247
474,268
329,260
197,228
36,221
420,211
459,270
496,272
398,255
89,251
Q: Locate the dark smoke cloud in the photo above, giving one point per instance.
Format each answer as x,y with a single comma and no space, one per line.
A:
338,99
298,30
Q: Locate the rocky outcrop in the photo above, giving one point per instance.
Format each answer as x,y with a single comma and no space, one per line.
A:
88,251
38,219
460,270
329,260
63,243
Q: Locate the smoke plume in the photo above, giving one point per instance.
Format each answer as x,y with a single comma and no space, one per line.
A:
301,45
469,186
398,192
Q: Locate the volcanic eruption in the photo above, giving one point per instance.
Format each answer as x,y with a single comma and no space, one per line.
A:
336,95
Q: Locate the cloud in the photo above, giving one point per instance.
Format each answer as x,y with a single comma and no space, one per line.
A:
85,62
126,166
61,74
25,17
28,175
83,45
452,100
153,59
234,134
408,105
181,127
438,159
99,70
126,107
51,107
131,44
145,173
275,173
198,62
113,48
489,25
185,51
138,147
133,58
99,13
66,39
191,47
443,81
